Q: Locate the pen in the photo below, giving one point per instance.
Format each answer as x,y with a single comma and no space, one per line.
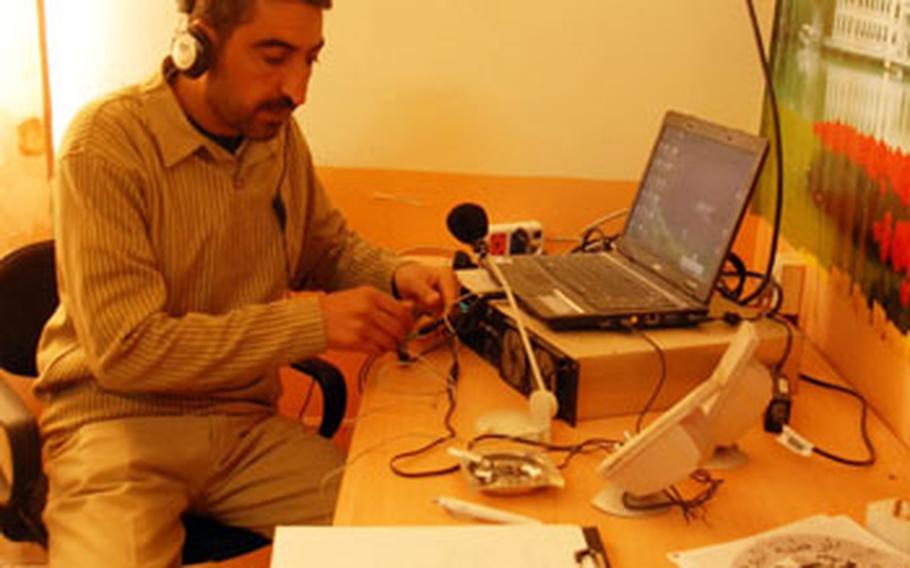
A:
482,512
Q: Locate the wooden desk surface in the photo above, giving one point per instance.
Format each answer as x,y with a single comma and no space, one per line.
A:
399,411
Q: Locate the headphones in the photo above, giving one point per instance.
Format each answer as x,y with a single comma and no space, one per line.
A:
191,49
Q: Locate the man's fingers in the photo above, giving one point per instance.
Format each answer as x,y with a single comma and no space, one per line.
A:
367,320
394,328
402,312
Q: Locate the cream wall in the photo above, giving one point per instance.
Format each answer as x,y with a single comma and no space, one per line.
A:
510,87
24,209
95,46
519,87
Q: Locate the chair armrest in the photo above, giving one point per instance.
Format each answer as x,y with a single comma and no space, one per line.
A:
20,514
334,392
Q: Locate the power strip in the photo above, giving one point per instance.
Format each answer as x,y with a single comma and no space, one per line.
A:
521,237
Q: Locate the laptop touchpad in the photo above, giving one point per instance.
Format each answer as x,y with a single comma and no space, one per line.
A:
559,304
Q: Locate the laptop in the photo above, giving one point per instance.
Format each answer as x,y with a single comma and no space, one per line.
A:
662,269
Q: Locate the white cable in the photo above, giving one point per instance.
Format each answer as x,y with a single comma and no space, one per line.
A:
601,220
592,225
440,374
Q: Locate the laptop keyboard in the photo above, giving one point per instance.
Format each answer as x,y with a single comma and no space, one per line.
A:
601,285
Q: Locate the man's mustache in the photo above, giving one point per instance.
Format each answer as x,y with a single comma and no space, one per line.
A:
277,105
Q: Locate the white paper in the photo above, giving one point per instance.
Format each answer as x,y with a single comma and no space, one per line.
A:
840,535
475,546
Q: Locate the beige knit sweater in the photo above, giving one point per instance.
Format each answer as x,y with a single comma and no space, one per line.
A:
174,269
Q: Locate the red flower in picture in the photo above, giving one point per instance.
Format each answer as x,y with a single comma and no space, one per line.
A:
900,247
881,234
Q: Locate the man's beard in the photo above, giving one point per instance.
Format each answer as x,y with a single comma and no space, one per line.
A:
245,123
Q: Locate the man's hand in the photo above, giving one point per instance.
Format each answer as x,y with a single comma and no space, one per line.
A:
432,289
365,319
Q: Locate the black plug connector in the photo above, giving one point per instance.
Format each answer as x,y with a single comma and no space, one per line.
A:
732,318
777,413
403,356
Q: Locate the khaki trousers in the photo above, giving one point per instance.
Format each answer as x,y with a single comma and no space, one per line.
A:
118,487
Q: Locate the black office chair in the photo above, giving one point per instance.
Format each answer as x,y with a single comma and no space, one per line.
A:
28,297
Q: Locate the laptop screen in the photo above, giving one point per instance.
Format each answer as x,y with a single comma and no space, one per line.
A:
692,197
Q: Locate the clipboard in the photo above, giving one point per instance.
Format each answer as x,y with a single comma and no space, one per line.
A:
478,546
594,554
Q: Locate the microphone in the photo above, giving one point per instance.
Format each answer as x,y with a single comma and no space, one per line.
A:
469,224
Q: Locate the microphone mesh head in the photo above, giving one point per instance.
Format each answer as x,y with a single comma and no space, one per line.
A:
468,223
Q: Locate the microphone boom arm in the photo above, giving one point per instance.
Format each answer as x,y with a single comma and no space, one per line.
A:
542,402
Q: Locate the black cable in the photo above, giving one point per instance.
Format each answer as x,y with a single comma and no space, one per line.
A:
778,292
691,508
778,153
788,346
734,295
660,381
587,446
589,243
764,311
451,382
863,431
427,447
586,239
739,271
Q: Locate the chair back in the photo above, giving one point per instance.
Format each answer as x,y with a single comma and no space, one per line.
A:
28,297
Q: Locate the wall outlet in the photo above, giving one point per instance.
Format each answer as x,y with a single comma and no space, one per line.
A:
521,237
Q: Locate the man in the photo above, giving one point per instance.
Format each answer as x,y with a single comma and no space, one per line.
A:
184,211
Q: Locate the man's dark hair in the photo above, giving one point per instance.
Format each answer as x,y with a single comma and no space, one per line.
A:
225,15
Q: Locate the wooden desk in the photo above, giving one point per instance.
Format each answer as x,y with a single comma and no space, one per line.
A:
775,488
618,372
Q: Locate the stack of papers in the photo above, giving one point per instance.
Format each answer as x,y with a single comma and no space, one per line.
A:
474,546
820,541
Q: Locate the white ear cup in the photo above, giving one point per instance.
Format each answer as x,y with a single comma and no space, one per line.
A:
185,51
190,49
